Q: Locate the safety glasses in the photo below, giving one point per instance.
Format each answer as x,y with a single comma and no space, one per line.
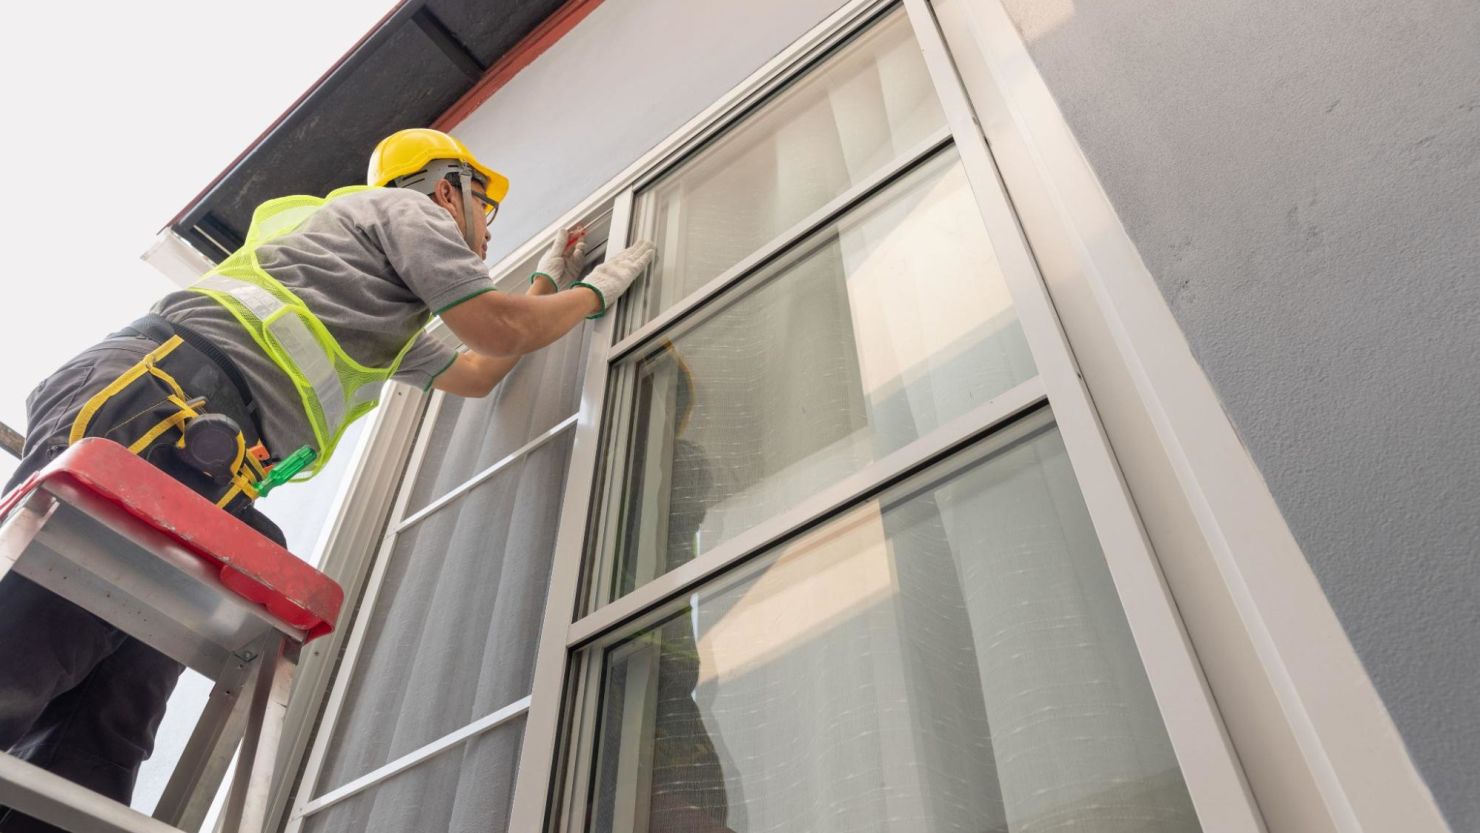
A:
490,207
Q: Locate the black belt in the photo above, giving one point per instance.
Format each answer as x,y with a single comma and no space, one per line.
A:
159,329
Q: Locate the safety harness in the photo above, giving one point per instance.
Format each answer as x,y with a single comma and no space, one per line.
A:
185,407
334,388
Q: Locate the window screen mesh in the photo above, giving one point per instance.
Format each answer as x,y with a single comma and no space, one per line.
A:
839,124
454,630
472,434
466,789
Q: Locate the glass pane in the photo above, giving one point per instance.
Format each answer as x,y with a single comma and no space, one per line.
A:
844,121
467,789
449,640
864,337
949,657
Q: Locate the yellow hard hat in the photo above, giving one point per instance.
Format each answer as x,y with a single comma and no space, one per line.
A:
409,151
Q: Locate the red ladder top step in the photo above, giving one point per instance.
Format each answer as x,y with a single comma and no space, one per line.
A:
249,564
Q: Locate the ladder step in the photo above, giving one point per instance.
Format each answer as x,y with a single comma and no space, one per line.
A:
57,801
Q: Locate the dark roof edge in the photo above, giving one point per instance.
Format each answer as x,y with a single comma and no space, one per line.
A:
405,9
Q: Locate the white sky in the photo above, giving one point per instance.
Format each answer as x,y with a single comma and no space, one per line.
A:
115,116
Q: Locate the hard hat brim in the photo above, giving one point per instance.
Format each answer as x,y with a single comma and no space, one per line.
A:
409,151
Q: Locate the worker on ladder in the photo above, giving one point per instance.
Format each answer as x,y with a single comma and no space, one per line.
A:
248,379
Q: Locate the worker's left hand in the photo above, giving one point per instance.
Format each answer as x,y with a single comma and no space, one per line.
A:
563,259
612,278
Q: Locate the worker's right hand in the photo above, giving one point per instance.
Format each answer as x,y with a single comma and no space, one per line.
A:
611,279
563,260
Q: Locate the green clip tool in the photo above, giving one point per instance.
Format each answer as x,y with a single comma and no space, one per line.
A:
285,469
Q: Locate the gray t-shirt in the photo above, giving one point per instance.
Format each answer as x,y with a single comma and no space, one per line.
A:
369,265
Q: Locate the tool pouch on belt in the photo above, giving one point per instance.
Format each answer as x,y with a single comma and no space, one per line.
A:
150,407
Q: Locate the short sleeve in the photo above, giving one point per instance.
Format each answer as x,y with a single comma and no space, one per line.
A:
424,362
425,248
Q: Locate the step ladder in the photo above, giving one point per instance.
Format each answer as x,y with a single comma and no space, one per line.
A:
111,533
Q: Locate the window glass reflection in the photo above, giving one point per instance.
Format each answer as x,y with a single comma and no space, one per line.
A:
840,124
865,337
949,657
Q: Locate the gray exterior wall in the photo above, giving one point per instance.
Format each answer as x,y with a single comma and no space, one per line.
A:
1303,180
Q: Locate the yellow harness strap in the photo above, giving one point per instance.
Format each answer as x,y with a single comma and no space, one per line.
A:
246,469
239,484
145,365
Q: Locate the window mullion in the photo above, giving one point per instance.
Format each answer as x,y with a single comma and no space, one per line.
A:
1210,767
541,726
577,760
651,597
473,482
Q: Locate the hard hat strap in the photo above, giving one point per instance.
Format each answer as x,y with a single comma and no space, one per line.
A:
471,213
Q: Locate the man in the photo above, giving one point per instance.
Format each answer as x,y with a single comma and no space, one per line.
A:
250,377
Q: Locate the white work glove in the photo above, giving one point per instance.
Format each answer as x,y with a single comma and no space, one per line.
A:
563,260
611,279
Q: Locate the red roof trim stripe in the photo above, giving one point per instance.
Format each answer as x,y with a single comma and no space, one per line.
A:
523,53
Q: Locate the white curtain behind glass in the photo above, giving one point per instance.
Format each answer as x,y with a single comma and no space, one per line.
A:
1075,732
870,336
957,663
466,789
472,434
825,133
453,634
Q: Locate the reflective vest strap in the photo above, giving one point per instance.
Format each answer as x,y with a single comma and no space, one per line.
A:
311,363
366,394
257,300
304,351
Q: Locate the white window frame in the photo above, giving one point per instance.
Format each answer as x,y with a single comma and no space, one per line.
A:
1210,767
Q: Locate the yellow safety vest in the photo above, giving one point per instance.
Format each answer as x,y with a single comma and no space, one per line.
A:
335,389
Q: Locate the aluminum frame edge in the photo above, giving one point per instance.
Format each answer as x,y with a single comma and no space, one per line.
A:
537,756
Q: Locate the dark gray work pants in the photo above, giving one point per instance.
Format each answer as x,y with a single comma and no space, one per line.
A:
78,696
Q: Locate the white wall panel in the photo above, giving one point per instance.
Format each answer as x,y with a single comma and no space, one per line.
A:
615,86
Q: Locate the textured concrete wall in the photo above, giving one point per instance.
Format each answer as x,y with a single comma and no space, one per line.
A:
1303,180
614,87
